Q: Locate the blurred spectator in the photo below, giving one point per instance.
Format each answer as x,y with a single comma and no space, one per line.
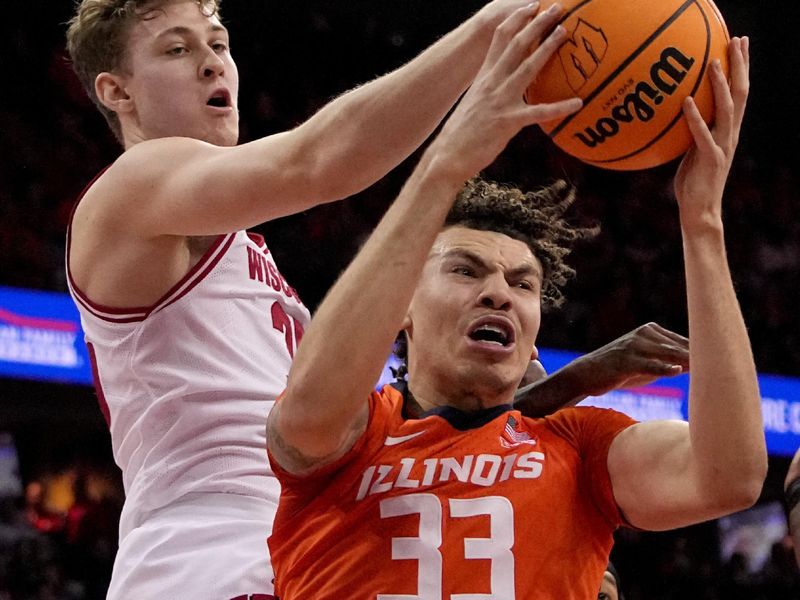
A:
610,587
39,515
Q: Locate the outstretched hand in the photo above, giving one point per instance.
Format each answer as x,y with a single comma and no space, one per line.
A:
700,180
637,358
493,109
495,12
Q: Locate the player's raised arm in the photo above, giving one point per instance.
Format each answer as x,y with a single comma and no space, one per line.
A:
203,185
637,358
323,410
669,474
164,77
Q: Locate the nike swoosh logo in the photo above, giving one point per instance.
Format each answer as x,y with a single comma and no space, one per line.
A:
393,441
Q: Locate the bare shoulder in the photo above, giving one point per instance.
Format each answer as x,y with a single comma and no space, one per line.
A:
122,252
136,177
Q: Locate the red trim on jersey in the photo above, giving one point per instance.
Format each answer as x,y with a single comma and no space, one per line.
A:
210,259
125,315
101,396
258,239
130,315
121,315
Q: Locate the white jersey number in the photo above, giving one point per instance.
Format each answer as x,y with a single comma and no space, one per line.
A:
425,548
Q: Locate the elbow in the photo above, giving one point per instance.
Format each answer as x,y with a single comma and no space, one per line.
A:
748,492
753,482
743,490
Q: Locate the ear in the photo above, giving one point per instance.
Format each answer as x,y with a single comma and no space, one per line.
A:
112,93
535,353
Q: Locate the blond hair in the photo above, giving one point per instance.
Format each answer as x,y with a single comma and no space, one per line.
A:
97,40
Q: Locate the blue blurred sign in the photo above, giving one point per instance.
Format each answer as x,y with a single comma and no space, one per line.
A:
667,399
41,338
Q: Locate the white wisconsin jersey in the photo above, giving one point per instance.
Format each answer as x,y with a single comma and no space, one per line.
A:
186,384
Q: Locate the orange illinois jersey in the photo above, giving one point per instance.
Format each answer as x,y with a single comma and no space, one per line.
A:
494,506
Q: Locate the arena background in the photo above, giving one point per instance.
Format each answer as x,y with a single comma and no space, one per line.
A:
294,55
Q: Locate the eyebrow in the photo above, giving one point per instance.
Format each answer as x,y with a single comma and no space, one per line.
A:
182,30
525,269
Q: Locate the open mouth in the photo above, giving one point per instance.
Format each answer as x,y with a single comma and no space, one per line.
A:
493,331
219,99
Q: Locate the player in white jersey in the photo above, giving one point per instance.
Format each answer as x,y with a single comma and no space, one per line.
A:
184,385
190,324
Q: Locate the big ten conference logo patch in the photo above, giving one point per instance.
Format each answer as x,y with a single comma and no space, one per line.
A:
582,54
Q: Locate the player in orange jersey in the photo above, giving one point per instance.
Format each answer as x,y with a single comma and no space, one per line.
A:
443,490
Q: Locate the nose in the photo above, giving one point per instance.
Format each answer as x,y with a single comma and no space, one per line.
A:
495,293
212,65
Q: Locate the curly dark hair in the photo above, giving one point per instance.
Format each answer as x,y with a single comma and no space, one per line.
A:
535,218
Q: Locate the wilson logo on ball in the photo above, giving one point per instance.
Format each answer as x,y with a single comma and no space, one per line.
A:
582,54
633,63
666,75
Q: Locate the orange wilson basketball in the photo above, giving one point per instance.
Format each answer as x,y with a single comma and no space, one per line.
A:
632,62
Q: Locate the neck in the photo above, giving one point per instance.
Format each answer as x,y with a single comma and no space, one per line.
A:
467,398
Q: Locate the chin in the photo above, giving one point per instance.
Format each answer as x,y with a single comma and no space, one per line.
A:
232,136
223,138
491,381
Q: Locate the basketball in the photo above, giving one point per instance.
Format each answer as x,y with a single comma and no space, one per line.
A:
633,62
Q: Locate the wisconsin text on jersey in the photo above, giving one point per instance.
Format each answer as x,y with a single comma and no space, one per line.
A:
264,270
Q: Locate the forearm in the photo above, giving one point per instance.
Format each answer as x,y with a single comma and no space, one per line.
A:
347,343
368,131
726,430
344,349
558,390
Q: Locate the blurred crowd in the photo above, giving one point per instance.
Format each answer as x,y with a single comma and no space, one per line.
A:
293,57
58,540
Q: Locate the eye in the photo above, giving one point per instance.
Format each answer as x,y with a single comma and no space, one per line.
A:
464,270
529,285
220,46
178,50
